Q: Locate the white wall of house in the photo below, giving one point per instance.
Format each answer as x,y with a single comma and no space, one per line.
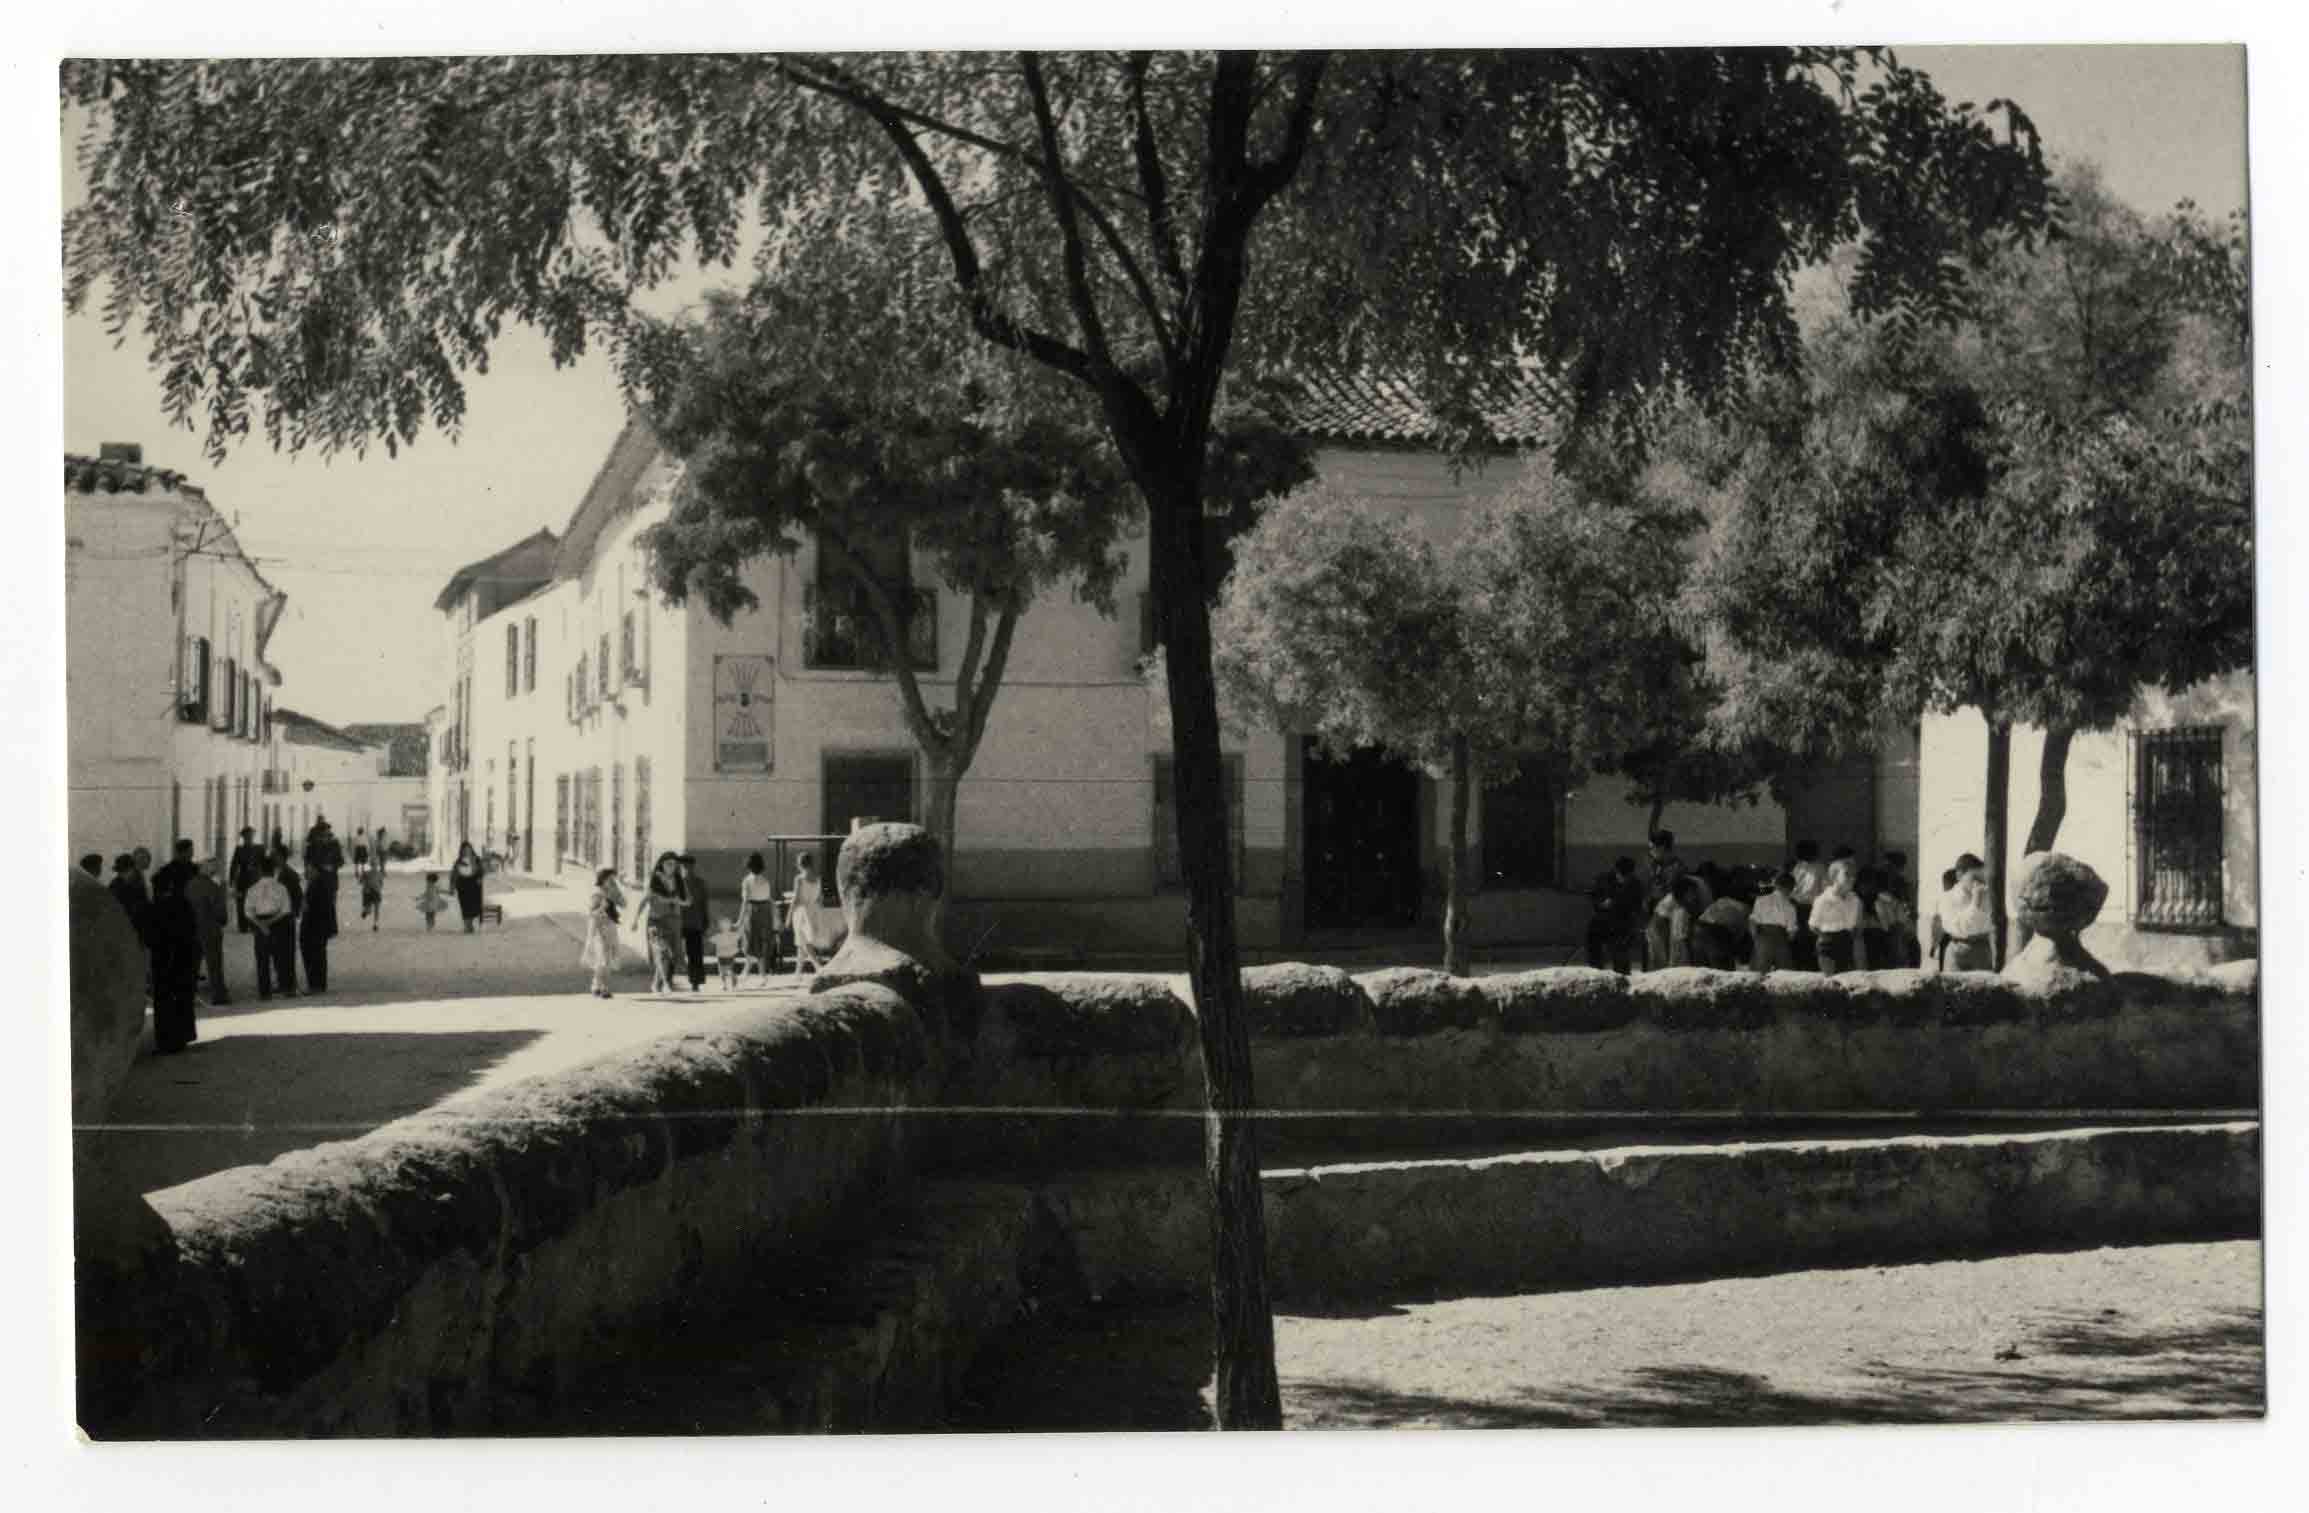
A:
143,572
2100,826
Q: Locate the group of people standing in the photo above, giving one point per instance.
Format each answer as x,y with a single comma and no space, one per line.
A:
181,913
676,909
1832,917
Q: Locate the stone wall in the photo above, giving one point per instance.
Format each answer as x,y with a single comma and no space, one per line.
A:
1083,1065
441,1277
461,1275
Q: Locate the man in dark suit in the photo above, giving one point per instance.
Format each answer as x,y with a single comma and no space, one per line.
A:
241,873
696,913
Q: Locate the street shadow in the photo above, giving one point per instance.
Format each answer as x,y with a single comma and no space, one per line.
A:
1092,1370
245,1099
2082,1368
1149,1368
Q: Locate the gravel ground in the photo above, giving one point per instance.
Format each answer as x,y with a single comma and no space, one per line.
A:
2145,1332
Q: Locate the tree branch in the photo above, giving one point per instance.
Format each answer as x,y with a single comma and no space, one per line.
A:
986,317
1153,186
846,87
1071,258
1267,179
966,676
990,678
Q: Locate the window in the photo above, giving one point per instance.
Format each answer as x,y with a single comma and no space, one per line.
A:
529,655
628,651
862,785
601,668
593,818
175,810
512,660
560,817
1165,833
220,714
2178,815
584,686
1518,834
192,682
839,627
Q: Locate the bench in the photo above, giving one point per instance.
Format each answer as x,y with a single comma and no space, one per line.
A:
493,914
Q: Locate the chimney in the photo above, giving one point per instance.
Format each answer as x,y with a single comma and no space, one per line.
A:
120,451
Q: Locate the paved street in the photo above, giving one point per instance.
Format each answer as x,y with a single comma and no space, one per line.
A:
411,1020
2156,1331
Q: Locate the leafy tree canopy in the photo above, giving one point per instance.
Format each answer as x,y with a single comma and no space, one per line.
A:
323,248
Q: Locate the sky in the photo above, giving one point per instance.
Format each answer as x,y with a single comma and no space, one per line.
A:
362,545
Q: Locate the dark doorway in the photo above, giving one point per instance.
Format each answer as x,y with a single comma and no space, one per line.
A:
1361,840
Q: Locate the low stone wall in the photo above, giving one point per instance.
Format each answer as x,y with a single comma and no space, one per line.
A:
460,1275
1084,1065
1565,1218
441,1276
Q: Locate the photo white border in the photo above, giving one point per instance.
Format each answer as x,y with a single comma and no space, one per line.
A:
2099,1467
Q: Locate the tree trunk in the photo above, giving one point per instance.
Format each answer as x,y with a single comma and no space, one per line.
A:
1458,959
1652,825
1996,826
1243,1326
945,787
2052,790
2051,802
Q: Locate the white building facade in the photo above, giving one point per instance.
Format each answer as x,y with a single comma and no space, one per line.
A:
2164,807
590,725
168,693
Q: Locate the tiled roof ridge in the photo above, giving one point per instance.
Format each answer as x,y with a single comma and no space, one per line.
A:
103,475
1374,405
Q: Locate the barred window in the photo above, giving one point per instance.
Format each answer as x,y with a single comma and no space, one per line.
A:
2178,814
512,660
529,655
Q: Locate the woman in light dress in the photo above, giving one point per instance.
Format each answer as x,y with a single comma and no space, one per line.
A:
812,936
600,953
758,916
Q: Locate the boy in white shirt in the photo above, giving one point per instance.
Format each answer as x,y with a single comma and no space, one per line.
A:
729,951
1775,923
1836,922
1966,930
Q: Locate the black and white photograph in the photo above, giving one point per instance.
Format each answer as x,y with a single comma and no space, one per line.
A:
966,741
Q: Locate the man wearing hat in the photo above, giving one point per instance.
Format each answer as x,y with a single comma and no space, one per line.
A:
696,912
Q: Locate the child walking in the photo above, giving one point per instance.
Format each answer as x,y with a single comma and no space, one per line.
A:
729,952
372,874
601,911
432,901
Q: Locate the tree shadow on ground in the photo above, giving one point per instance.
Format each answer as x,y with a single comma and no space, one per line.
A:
1149,1368
2085,1367
244,1099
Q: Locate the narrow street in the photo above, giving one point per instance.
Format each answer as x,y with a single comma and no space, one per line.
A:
412,1020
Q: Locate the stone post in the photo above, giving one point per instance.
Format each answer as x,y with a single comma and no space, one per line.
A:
2056,897
892,879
